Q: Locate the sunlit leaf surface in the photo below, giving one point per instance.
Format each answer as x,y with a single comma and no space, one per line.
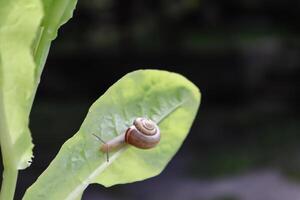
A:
19,22
167,98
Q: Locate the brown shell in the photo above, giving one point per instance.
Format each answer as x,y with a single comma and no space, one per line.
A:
145,126
144,134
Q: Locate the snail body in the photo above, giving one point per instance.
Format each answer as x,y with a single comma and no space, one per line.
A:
143,134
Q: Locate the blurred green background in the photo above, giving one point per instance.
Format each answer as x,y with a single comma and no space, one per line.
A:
243,55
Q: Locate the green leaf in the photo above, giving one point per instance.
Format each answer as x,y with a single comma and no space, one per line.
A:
19,22
26,33
167,98
57,13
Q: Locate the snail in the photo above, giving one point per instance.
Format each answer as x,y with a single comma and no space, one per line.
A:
143,134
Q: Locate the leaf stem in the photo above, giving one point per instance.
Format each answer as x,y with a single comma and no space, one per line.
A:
10,173
41,53
52,20
10,176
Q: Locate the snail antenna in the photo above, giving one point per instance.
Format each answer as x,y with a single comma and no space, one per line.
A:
98,138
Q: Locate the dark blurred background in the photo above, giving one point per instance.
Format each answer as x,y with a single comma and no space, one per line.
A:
243,55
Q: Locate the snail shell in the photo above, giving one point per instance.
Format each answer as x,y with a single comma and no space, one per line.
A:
143,134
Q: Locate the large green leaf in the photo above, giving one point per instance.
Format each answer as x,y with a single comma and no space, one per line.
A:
167,98
19,22
26,33
27,28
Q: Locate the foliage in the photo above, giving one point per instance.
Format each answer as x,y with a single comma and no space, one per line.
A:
27,28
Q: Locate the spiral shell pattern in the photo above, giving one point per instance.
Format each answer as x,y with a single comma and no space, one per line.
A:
143,134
